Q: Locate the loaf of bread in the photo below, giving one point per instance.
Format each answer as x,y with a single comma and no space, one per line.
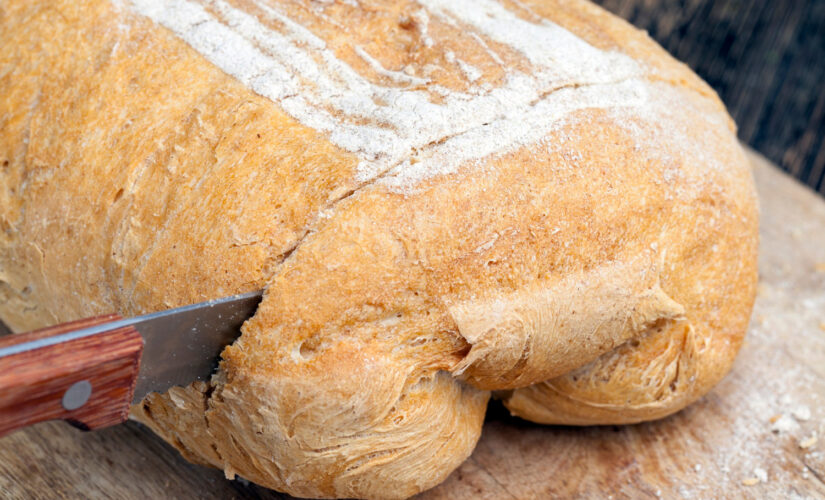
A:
442,199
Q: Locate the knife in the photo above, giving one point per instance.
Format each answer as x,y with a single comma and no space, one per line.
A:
89,372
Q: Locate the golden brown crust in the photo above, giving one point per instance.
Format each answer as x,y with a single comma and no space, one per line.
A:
614,255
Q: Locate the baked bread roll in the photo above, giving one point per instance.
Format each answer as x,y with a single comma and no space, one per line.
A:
443,199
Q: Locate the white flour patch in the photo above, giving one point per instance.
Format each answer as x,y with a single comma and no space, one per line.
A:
470,72
408,137
423,23
398,76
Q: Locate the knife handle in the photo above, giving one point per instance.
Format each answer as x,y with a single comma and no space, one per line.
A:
87,381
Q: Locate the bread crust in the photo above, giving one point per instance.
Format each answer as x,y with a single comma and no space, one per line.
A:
602,271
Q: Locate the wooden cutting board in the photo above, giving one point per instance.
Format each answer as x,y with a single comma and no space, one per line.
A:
715,448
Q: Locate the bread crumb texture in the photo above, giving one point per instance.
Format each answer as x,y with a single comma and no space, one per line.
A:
443,200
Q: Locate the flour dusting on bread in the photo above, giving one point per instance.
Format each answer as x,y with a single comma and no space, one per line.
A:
406,127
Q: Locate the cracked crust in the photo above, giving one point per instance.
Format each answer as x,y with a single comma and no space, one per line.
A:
603,274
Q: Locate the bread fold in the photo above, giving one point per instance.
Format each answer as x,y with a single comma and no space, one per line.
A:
547,329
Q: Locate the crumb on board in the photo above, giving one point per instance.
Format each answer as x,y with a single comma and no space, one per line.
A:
761,474
822,326
801,413
820,267
808,442
784,424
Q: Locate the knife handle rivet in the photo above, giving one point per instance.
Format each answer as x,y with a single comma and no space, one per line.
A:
77,395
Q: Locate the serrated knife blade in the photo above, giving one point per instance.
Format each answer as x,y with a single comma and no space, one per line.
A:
180,345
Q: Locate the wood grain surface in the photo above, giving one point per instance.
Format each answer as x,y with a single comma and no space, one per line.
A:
766,59
33,382
759,434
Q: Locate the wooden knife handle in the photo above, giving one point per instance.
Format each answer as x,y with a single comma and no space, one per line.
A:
87,381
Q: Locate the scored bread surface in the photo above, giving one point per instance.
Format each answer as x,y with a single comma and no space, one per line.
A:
441,198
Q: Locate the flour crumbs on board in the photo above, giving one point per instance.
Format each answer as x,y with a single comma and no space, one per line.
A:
409,123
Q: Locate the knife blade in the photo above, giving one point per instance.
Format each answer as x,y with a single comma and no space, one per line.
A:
173,347
202,331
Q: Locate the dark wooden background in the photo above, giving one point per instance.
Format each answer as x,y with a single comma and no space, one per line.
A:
765,58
